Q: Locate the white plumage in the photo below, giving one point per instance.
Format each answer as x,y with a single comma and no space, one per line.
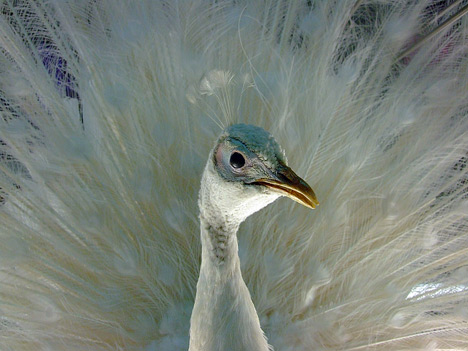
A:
109,110
245,171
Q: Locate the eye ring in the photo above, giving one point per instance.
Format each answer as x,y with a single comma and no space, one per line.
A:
237,160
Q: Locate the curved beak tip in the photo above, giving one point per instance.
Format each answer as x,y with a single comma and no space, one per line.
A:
313,202
289,184
308,199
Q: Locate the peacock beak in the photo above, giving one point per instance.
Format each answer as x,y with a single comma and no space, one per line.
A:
288,183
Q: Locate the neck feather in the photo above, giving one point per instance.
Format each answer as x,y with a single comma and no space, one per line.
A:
219,243
223,317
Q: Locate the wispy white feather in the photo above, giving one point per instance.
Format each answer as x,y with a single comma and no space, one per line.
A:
108,112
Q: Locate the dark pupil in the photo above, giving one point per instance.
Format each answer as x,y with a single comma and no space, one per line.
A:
237,160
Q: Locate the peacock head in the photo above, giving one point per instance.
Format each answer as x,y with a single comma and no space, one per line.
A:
247,171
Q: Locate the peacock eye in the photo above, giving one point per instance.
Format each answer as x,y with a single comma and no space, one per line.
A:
237,160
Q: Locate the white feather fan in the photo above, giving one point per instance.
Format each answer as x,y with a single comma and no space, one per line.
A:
109,110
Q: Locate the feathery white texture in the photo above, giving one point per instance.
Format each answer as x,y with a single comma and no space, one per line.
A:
101,221
224,316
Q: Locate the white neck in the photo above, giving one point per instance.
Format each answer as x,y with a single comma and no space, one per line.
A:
223,317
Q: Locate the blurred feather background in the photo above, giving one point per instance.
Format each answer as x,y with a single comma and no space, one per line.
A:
108,112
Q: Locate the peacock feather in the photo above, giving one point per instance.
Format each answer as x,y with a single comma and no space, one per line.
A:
109,110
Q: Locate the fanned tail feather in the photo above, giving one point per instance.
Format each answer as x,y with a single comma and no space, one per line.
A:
109,109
